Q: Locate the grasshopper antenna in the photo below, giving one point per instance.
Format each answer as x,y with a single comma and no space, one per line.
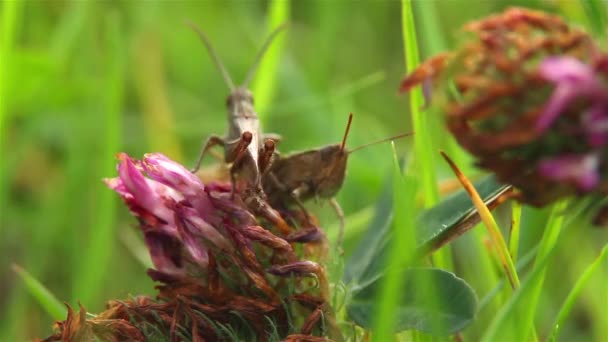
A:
394,137
260,54
350,120
216,59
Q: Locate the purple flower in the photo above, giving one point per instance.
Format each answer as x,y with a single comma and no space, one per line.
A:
176,214
573,80
582,170
595,123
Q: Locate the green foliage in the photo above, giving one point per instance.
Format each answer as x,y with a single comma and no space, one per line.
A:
432,227
366,268
80,81
432,300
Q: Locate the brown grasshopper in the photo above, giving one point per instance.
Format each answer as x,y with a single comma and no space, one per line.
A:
249,152
316,173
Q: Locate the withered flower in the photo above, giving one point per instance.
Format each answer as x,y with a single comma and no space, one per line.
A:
527,94
219,266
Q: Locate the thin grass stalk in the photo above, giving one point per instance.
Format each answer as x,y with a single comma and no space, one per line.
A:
264,85
404,191
11,22
548,242
434,43
43,296
101,240
490,223
575,292
423,147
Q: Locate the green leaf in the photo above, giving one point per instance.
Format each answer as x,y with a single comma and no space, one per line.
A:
373,240
432,300
435,227
454,214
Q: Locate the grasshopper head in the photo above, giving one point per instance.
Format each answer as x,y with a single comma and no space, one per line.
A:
239,96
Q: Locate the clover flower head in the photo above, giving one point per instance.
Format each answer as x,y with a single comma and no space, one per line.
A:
531,102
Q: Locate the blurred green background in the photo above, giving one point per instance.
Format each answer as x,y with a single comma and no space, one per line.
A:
81,81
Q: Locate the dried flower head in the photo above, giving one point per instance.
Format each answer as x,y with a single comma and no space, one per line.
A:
220,269
527,94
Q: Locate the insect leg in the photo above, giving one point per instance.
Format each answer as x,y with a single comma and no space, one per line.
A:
338,209
238,147
211,141
295,196
266,156
237,151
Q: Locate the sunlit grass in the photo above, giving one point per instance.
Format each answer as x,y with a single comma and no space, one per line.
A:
101,241
265,83
75,103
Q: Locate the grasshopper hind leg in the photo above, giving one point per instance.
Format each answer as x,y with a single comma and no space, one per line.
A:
267,153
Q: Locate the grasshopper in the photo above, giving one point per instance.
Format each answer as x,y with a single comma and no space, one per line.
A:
316,173
249,152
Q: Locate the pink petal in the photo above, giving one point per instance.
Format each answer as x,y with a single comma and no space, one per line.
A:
170,173
582,170
559,69
200,228
148,194
572,79
595,122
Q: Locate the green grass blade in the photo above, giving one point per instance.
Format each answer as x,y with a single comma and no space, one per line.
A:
576,291
506,321
515,321
423,147
11,17
10,23
43,296
515,230
264,84
595,11
433,43
102,234
404,192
